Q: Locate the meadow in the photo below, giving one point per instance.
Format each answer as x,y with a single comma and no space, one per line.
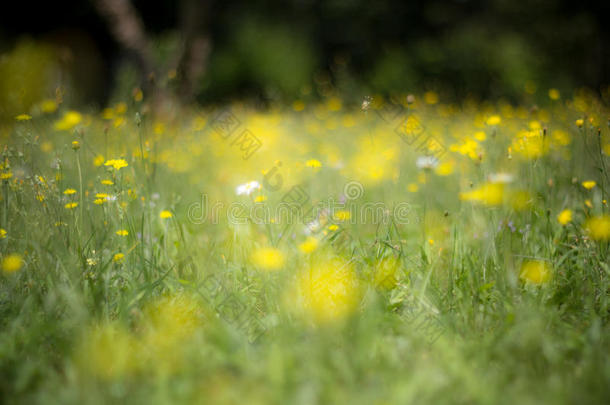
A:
404,250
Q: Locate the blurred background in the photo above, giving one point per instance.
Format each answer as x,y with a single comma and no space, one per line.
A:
93,52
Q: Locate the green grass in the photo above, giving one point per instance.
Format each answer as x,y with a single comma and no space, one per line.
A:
428,307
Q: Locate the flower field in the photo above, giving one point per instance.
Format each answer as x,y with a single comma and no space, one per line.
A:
405,250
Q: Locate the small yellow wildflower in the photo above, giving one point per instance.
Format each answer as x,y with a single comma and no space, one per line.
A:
165,214
68,121
309,245
23,117
48,106
2,233
268,258
260,198
6,175
107,182
535,271
599,227
342,215
554,94
99,201
116,163
71,205
589,184
494,120
75,145
122,232
69,191
580,123
333,227
413,187
564,217
313,163
12,263
118,257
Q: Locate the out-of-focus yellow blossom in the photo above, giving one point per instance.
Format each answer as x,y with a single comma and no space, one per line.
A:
118,257
71,205
107,351
554,94
69,191
2,233
313,163
480,136
122,232
412,187
342,215
98,160
325,292
165,214
535,271
599,227
298,105
75,145
6,175
268,258
309,245
138,95
588,204
444,169
23,117
493,120
530,144
107,182
564,217
589,184
48,106
116,163
260,198
580,122
520,200
333,227
69,120
488,194
12,263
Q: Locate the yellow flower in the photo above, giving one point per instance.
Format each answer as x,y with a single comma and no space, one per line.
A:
2,233
309,245
116,163
413,187
554,94
12,263
580,123
107,182
68,121
48,106
599,227
98,161
71,205
342,215
494,120
99,201
260,198
23,117
535,271
325,292
589,184
489,194
75,145
268,258
313,163
165,214
122,232
118,257
69,191
333,227
564,217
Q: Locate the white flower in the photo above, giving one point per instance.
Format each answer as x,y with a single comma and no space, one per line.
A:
247,188
426,162
503,178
